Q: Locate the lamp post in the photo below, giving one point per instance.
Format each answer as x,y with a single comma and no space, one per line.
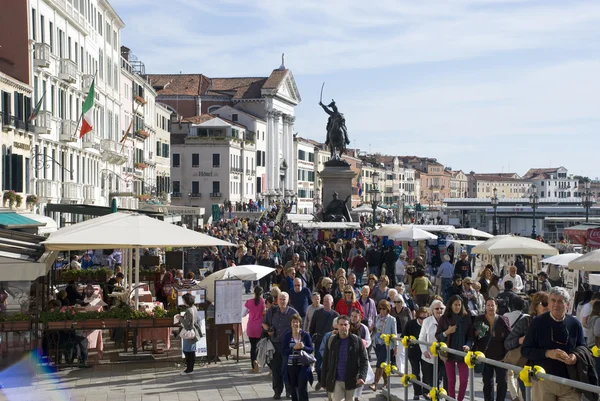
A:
375,194
494,201
588,201
401,203
533,199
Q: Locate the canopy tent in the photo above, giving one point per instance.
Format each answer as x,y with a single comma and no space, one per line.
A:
434,228
562,259
296,218
589,262
510,245
412,234
389,229
12,269
241,272
367,209
127,231
581,234
467,242
331,225
471,232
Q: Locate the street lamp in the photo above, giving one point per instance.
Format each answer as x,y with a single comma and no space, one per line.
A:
375,196
402,200
588,201
533,199
494,201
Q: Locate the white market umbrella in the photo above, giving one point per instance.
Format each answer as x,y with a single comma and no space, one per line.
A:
561,260
389,229
367,209
127,230
471,232
589,262
242,272
412,234
511,245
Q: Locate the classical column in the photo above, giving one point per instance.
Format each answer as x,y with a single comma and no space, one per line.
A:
276,180
292,155
284,146
269,154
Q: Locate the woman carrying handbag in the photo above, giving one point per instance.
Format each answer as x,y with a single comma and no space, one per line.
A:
190,333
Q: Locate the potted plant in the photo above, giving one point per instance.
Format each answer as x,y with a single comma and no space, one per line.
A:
141,165
143,197
163,318
18,200
117,317
31,200
9,196
15,322
55,318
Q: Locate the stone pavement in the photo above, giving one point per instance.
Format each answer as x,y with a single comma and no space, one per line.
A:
154,381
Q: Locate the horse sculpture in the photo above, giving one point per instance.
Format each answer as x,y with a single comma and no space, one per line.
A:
337,133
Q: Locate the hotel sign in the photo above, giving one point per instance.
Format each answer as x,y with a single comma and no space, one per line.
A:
24,146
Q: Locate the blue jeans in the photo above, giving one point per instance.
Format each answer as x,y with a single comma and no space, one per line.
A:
446,282
318,362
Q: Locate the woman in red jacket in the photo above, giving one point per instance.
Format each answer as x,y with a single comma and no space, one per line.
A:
348,303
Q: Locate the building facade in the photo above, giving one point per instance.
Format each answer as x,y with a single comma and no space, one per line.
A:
459,184
74,44
271,99
508,186
306,174
553,182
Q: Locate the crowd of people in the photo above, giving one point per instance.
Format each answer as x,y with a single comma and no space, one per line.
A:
327,294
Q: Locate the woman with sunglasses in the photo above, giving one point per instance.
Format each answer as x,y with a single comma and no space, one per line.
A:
456,330
345,305
413,328
384,324
538,306
427,334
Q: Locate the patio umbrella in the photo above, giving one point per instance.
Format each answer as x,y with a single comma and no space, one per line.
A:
412,234
471,232
510,245
389,229
368,209
242,272
589,262
562,260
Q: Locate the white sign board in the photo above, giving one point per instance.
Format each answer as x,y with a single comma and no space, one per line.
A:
199,295
201,349
228,301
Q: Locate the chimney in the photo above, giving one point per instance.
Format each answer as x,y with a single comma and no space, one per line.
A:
125,51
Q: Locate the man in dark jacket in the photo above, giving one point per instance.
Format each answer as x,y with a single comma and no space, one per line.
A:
344,363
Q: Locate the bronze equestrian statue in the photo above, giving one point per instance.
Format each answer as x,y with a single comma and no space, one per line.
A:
337,133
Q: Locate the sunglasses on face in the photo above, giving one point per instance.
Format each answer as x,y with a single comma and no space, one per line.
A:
544,304
347,292
438,308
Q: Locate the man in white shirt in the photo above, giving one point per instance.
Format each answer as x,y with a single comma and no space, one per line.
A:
401,268
512,276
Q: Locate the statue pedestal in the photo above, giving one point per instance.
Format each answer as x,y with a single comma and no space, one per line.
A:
336,177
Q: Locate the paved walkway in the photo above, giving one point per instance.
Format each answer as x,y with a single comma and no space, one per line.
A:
153,381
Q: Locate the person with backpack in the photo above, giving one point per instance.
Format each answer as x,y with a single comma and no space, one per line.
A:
506,298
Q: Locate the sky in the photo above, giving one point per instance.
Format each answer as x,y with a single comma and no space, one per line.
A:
483,85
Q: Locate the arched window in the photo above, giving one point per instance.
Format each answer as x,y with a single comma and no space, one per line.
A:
212,109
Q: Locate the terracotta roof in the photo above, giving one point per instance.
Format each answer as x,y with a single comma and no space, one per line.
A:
534,172
496,178
199,119
275,79
237,88
508,175
178,84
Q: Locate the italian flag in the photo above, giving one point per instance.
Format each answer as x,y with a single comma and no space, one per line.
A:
38,106
88,111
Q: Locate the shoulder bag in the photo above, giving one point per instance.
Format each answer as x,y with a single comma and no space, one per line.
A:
478,368
193,334
513,357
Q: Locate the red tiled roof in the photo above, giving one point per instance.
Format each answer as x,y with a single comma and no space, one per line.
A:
237,88
275,79
534,172
178,84
199,119
488,177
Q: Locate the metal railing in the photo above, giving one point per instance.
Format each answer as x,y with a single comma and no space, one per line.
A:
526,374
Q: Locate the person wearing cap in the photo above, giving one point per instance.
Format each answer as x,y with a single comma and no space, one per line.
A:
545,283
445,273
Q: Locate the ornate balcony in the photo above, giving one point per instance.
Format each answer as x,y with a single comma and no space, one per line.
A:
91,141
195,195
111,152
41,55
47,190
68,131
68,70
90,194
216,195
72,191
176,195
43,123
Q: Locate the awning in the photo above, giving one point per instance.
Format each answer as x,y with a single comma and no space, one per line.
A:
579,234
47,224
323,225
15,220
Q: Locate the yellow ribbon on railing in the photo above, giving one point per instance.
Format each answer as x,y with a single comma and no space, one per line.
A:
406,379
525,376
388,368
406,340
433,393
437,346
596,351
471,357
387,338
